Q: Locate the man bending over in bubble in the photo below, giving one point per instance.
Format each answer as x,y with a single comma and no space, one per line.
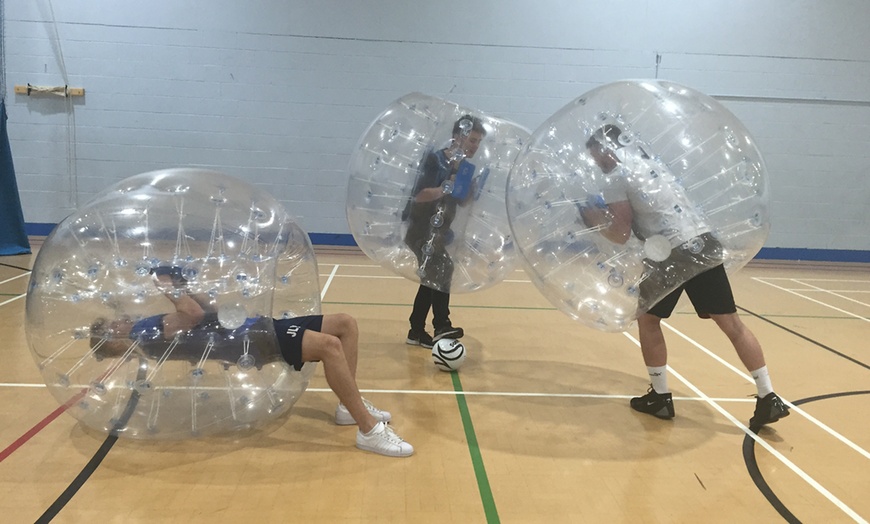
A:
331,339
636,200
437,193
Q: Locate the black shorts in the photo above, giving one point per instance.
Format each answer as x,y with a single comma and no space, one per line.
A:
289,332
710,293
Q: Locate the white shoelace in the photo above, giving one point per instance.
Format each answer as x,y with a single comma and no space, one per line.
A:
391,435
371,408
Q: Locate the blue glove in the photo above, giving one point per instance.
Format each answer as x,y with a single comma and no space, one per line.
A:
596,201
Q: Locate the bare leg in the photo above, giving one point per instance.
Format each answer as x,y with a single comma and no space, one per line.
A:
744,341
652,340
344,327
328,350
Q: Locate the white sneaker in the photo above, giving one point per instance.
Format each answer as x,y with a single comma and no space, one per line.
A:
384,441
344,418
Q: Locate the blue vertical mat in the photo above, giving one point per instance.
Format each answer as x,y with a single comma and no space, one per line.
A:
13,239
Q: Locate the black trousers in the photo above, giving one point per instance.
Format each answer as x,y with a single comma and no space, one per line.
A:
426,299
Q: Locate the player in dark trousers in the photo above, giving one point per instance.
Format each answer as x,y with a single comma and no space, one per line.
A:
429,214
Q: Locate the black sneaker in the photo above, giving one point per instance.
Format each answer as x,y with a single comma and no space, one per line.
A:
659,405
448,332
419,338
767,411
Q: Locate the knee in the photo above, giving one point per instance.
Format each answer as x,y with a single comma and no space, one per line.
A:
330,349
347,324
730,324
647,321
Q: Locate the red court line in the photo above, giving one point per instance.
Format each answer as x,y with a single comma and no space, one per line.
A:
38,427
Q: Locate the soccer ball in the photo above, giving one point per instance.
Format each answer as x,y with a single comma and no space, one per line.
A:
448,354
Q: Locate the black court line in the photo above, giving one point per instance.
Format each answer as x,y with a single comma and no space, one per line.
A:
755,473
95,461
15,267
808,339
749,442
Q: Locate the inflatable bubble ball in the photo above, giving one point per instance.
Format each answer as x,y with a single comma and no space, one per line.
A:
426,193
629,191
149,310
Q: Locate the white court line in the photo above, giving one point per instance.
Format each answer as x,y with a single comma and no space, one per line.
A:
701,397
13,278
11,300
328,281
445,392
809,480
394,277
379,266
749,379
831,292
818,279
390,277
819,302
350,265
857,291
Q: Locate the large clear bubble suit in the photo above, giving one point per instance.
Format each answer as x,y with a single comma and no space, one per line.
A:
473,251
691,171
140,245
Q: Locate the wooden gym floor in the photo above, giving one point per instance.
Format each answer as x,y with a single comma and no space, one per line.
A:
534,428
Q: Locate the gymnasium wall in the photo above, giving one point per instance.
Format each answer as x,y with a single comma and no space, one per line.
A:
278,92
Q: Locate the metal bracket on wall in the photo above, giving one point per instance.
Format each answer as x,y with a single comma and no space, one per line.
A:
64,91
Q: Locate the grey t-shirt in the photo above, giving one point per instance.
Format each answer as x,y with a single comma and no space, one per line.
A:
659,203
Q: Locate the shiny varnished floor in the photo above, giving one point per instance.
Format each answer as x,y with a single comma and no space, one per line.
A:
534,428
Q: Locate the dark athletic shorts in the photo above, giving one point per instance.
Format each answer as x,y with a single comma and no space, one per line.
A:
710,293
289,332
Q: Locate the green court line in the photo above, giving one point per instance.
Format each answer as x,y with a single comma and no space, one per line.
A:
522,308
451,305
476,460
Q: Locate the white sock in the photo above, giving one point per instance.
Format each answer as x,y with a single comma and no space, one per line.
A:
658,376
762,381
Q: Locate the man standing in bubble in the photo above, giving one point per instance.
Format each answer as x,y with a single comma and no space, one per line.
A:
444,184
637,200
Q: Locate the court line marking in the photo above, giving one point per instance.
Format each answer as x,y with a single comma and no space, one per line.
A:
713,402
705,398
483,486
856,291
749,379
385,269
13,278
831,292
818,279
819,302
820,424
792,466
328,282
13,299
24,438
395,277
531,394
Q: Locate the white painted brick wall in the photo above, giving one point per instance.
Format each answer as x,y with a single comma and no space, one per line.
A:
278,93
